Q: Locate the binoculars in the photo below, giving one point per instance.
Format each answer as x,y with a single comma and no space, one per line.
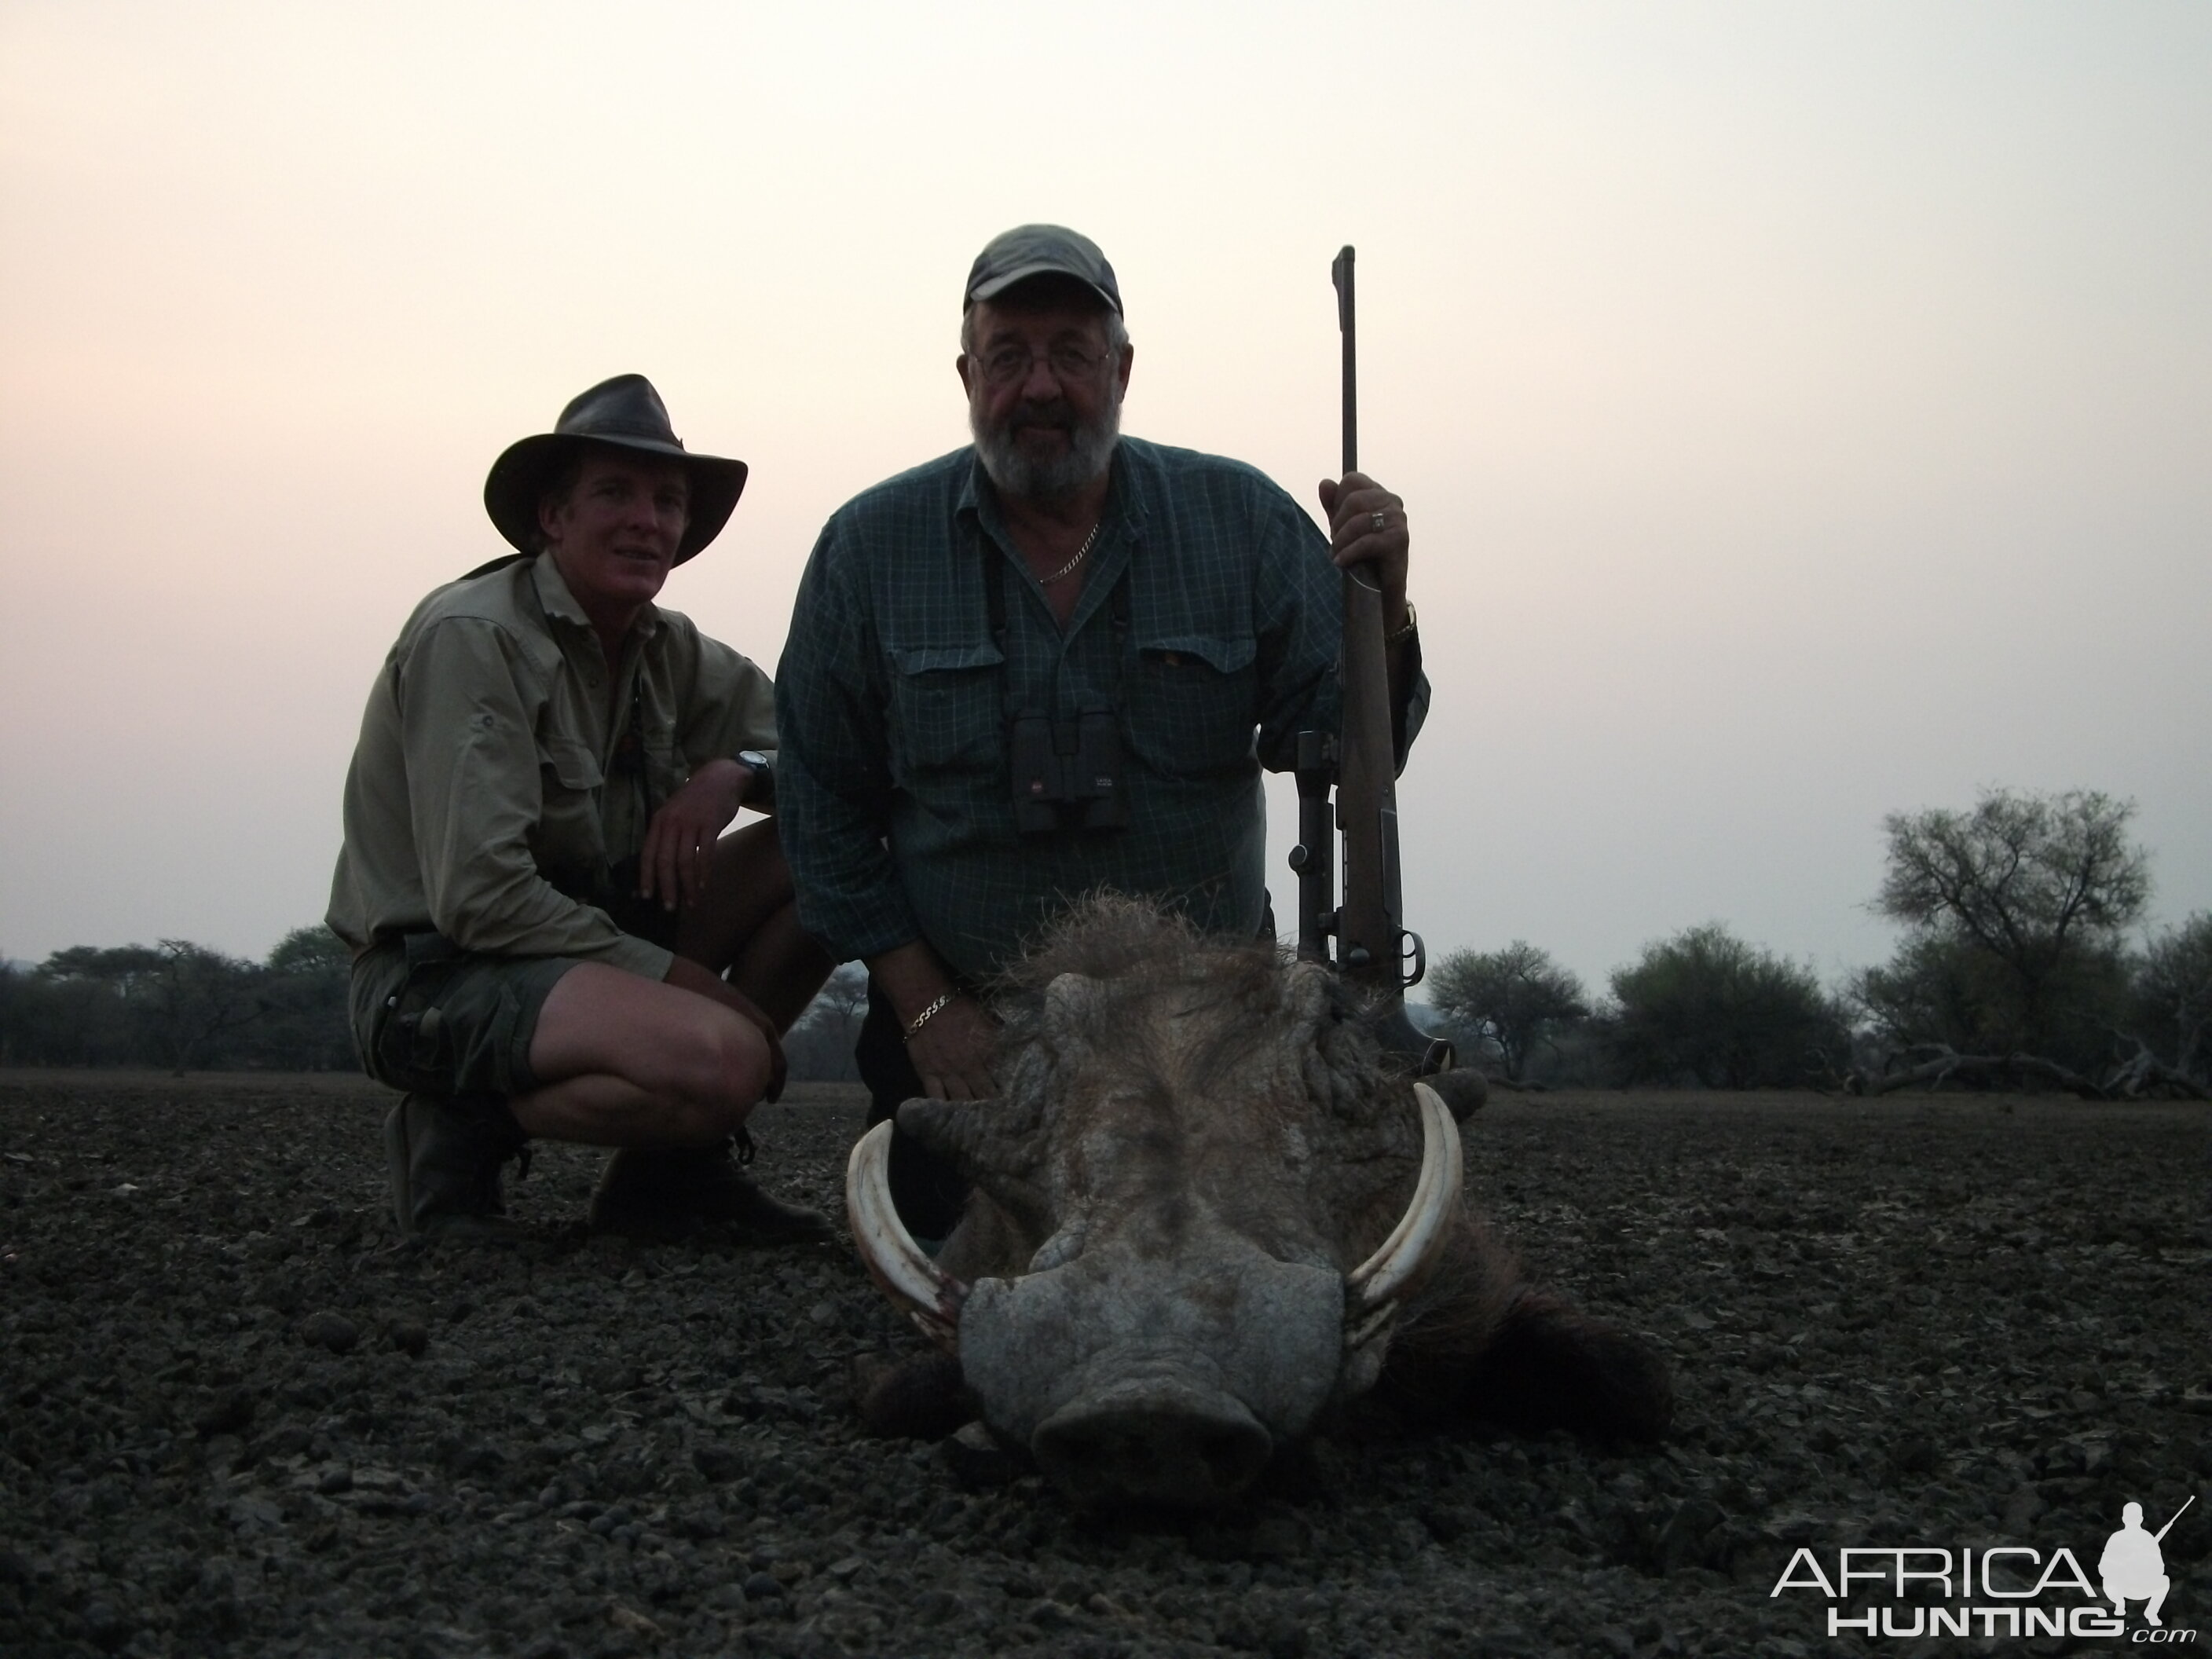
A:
1067,774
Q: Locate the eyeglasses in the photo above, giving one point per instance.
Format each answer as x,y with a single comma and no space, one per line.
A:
1010,364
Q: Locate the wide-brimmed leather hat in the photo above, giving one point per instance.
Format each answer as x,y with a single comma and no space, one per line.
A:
627,413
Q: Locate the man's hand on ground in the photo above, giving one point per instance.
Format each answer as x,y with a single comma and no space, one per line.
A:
678,854
1351,503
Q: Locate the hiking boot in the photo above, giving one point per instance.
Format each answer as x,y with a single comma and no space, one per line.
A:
443,1154
660,1193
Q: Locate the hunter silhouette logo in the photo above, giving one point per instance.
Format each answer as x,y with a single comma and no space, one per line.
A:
2133,1568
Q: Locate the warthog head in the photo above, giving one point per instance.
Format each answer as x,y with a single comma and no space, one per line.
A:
1201,1209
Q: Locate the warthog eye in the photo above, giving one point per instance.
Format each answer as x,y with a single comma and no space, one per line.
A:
1062,1248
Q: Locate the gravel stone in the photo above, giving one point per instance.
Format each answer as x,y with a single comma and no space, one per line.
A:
229,1412
333,1331
976,1459
1909,1322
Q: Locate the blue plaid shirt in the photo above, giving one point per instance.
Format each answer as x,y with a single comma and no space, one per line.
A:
893,698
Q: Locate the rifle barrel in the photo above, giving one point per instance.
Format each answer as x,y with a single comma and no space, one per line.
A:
1340,273
1366,791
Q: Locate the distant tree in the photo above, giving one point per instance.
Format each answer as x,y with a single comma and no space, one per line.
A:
87,1007
122,968
311,949
304,1026
181,1006
2173,995
1936,989
198,996
18,1001
1705,1006
1515,999
2016,910
818,1047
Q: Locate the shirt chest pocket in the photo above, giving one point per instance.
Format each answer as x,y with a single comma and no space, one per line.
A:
1193,704
569,782
664,766
945,710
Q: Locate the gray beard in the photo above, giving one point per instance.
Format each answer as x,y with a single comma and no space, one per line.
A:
1089,452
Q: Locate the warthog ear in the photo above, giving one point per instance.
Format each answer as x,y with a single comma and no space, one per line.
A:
1313,1002
994,1145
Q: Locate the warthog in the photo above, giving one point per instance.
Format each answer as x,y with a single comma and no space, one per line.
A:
1204,1214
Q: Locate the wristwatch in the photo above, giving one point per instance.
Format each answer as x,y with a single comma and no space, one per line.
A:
761,785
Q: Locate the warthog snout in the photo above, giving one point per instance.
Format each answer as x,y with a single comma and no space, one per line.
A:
1152,1442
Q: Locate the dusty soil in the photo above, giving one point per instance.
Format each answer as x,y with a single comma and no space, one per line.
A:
238,1420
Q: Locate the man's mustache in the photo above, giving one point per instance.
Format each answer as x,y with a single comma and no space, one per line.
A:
1058,416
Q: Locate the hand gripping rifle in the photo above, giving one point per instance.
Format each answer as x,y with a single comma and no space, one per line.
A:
1372,949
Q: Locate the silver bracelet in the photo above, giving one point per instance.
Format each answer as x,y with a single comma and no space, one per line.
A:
929,1014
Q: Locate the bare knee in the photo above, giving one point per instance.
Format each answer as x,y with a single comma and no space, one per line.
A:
721,1073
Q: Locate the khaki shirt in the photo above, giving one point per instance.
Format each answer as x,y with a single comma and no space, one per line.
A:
488,769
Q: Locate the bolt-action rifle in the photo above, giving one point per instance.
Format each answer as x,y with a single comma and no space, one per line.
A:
1372,948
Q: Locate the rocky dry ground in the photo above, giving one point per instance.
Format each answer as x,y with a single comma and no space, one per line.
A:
233,1419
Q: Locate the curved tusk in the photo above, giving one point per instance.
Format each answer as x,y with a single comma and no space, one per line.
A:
931,1296
1426,1225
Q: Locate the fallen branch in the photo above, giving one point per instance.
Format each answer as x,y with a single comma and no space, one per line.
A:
2144,1076
1948,1066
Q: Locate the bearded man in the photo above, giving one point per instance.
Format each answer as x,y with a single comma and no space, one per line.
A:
1050,663
535,884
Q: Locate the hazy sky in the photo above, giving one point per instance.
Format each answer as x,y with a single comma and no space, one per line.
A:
1804,412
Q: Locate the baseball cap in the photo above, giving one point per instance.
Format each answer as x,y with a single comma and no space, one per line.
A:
1027,250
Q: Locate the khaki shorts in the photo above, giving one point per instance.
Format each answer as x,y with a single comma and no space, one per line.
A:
428,1016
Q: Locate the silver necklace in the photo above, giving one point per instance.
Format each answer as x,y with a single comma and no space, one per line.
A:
1081,554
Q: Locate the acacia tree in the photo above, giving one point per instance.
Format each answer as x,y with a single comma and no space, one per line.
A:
196,996
1518,999
2028,894
2173,993
1707,1006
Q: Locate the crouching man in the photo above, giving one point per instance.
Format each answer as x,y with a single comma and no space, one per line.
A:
535,884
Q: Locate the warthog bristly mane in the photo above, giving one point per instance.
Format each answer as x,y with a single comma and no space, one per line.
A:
1131,950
